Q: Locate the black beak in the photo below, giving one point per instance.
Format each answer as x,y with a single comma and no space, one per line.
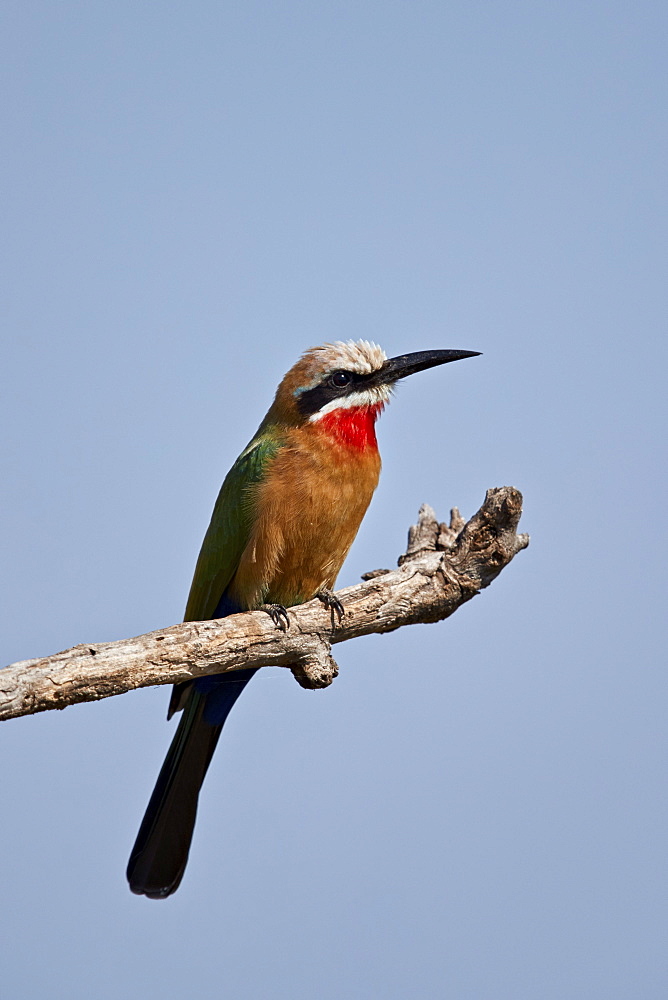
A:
408,364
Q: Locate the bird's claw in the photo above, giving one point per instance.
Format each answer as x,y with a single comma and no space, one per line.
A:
278,615
332,603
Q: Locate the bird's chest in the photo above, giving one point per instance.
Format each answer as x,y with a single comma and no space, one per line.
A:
320,495
330,488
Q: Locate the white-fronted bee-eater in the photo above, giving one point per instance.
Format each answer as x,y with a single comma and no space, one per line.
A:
285,518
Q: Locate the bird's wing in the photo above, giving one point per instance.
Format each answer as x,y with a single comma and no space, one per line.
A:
230,528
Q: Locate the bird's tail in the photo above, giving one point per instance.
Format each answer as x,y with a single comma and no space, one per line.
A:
160,853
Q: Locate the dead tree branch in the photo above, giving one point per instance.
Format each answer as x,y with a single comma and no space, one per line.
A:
444,566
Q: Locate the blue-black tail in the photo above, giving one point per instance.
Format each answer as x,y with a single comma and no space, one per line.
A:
160,853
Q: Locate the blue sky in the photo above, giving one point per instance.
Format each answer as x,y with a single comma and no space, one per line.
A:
195,194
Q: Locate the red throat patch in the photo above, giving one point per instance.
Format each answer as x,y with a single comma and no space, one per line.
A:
352,426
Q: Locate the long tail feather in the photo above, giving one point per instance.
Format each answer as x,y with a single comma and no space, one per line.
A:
160,853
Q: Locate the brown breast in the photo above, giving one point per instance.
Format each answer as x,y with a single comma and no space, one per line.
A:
309,509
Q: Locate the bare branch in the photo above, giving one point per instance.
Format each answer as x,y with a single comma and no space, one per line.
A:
444,566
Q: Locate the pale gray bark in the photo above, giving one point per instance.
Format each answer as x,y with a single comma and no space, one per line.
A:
444,566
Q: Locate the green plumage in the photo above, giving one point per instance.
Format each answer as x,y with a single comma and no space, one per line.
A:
230,527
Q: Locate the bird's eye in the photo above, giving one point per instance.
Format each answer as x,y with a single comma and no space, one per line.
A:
340,379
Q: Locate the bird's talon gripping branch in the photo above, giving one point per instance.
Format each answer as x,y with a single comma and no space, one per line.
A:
332,603
278,614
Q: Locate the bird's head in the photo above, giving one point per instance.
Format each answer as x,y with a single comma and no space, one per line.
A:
347,381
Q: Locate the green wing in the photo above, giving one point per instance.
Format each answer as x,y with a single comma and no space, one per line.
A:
230,528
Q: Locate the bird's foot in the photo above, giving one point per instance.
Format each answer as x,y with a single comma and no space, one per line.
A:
332,603
278,615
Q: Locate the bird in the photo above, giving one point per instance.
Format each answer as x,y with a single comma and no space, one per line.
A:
286,516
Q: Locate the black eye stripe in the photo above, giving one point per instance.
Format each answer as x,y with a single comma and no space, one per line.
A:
335,385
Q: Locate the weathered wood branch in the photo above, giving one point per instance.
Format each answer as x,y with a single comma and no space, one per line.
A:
444,566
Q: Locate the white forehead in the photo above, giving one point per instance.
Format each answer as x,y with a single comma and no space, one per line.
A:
361,356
